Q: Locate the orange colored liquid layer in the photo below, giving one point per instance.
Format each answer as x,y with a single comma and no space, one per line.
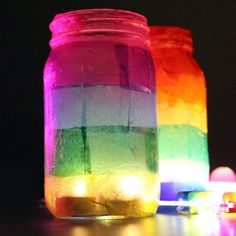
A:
182,100
102,195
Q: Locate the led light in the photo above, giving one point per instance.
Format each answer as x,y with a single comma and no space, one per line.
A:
80,188
230,200
207,202
131,185
230,197
185,207
200,202
231,208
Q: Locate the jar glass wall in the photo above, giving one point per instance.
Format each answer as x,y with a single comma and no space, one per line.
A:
100,116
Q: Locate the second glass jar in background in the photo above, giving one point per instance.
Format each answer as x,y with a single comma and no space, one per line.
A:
100,116
182,113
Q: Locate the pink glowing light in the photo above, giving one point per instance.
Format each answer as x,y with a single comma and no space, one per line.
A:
223,174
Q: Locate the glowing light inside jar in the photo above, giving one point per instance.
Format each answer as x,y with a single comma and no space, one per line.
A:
131,185
178,170
109,194
80,188
182,113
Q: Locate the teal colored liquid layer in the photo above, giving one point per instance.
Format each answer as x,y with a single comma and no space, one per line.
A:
182,142
104,149
183,156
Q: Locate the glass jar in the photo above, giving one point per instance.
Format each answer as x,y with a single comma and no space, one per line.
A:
100,116
182,113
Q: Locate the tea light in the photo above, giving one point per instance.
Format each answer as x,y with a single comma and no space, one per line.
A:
80,188
131,185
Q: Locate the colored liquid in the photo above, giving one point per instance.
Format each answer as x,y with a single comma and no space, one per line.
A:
98,158
102,153
182,142
113,195
105,149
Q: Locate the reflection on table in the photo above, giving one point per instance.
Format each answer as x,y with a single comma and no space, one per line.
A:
160,224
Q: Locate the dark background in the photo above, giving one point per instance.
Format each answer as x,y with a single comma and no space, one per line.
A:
24,49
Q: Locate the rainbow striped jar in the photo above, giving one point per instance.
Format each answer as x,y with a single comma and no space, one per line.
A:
100,116
182,113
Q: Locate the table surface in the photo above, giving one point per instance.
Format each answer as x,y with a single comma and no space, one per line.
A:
41,223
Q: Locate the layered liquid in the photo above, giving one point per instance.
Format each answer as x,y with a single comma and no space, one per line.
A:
183,157
102,158
182,119
103,171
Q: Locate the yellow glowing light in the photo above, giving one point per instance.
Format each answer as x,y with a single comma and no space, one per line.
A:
80,188
228,215
229,197
131,185
103,194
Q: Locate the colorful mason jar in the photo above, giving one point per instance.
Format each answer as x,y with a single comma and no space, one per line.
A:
182,113
100,116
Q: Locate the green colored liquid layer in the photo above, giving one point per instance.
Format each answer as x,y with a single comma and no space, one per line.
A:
182,142
103,149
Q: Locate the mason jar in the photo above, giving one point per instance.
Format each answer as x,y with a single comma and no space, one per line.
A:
182,112
100,116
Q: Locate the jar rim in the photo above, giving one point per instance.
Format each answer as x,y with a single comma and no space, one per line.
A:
155,29
102,10
78,22
171,37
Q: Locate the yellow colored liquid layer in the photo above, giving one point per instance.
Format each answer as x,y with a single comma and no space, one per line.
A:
102,195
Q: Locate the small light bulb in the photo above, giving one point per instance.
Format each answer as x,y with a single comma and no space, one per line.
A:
131,185
80,188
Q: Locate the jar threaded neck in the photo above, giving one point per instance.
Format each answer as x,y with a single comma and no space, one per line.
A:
171,37
70,25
